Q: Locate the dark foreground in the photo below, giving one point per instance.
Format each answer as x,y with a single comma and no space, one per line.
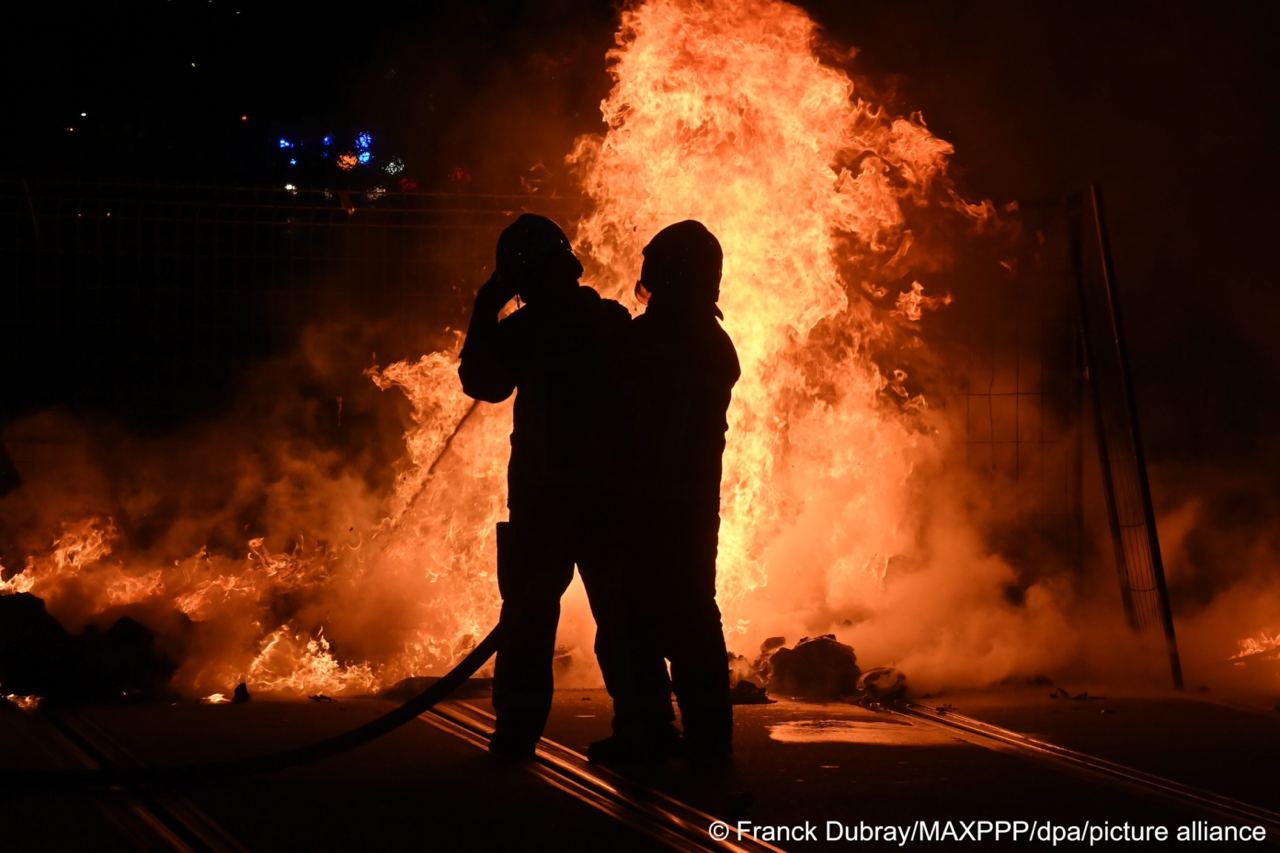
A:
837,769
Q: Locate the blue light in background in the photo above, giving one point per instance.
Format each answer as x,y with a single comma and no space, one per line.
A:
364,158
293,161
327,141
364,140
284,143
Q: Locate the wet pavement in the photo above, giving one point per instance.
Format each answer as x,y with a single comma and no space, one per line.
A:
417,788
810,763
796,763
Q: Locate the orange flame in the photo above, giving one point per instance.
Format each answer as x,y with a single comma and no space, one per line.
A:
724,112
76,566
1258,644
22,703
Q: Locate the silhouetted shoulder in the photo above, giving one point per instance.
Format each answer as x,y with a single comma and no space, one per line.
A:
726,354
695,349
605,310
615,313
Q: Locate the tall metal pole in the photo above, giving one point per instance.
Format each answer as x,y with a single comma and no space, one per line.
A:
1140,460
1075,234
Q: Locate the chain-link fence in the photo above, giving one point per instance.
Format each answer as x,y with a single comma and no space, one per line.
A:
130,293
152,296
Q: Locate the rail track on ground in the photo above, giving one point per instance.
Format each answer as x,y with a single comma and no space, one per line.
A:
650,812
996,737
164,817
148,817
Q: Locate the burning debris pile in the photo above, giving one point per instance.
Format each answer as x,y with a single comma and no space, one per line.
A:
817,668
38,657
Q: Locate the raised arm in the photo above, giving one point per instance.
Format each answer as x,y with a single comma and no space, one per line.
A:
484,367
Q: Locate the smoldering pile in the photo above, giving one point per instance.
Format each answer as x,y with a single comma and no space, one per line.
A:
817,668
39,657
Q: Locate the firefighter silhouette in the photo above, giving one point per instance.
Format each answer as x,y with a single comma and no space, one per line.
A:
557,354
680,368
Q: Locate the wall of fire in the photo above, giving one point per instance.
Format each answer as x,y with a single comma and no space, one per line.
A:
148,302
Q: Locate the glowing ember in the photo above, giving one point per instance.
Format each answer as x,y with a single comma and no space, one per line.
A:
1260,643
25,703
216,699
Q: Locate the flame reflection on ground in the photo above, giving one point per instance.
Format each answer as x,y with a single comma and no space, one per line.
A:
873,730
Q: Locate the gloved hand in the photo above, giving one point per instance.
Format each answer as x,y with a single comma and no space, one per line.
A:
494,293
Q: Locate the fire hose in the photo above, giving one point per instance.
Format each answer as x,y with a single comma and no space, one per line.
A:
274,761
269,762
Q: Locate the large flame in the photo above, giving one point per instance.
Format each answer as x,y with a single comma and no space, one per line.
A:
724,111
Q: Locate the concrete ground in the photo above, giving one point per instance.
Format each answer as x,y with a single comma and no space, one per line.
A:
420,788
801,762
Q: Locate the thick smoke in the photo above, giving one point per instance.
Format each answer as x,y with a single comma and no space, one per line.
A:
231,524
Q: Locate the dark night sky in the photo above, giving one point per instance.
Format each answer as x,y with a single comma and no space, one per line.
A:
166,83
1169,105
